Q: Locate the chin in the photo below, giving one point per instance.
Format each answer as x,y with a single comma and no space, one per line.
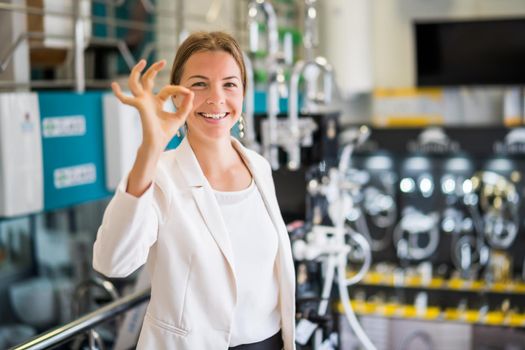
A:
218,135
215,134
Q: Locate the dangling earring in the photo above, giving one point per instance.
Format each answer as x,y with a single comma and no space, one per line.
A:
241,126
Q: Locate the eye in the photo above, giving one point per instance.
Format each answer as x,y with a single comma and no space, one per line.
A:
198,84
230,85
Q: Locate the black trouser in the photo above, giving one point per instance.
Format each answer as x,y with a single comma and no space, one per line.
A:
275,342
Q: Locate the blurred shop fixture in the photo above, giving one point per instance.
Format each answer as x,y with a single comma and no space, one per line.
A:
249,138
334,246
77,328
299,131
438,212
79,44
316,129
274,65
455,260
82,304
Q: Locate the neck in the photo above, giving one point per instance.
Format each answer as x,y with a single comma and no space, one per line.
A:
215,156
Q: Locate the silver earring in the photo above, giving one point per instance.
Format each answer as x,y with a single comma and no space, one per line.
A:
241,126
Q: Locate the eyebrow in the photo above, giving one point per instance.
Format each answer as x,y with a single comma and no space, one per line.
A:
206,78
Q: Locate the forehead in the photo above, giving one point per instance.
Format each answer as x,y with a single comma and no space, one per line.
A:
211,64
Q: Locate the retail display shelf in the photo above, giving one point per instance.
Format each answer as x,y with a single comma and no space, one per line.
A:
437,283
394,310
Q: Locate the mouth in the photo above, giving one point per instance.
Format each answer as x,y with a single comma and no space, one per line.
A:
214,116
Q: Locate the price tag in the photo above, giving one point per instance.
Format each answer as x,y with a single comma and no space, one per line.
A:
303,331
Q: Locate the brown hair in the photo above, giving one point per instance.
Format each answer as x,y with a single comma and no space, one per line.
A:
207,41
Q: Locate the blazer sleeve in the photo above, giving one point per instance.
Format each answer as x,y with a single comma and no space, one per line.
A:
129,228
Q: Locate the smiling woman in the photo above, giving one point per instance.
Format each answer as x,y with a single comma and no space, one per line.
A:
204,217
218,90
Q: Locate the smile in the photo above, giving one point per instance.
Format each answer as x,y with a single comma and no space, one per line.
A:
215,116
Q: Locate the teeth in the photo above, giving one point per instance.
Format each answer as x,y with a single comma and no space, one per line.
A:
214,116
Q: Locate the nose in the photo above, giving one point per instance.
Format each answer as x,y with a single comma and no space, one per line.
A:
216,96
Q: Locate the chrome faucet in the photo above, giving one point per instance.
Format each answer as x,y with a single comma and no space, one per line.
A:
310,38
249,108
298,132
275,76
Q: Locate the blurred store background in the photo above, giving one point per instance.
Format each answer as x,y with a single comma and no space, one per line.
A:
395,128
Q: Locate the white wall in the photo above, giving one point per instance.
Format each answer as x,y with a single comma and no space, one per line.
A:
387,25
197,15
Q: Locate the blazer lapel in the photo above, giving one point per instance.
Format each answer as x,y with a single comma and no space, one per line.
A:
205,199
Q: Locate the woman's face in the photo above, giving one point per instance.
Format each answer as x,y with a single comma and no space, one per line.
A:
215,78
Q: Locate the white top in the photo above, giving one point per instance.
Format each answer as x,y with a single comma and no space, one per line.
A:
254,244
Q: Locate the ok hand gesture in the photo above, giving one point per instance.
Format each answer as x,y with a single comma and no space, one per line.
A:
158,126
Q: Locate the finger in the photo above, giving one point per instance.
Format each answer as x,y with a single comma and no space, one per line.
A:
133,81
122,98
173,90
148,79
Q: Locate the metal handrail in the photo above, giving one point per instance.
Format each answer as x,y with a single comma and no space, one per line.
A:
65,332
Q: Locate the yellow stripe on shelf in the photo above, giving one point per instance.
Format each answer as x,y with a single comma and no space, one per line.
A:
494,318
407,92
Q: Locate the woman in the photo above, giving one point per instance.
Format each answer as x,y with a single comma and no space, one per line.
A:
203,217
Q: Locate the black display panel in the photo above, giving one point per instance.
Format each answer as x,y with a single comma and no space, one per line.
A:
481,52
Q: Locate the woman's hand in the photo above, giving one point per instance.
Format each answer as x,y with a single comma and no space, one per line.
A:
158,126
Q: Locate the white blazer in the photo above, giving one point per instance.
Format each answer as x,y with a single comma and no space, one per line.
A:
176,228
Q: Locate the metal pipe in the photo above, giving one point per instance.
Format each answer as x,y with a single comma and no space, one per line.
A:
120,45
78,45
270,151
310,38
80,297
148,6
92,83
69,330
4,61
115,3
110,13
294,148
249,107
271,23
